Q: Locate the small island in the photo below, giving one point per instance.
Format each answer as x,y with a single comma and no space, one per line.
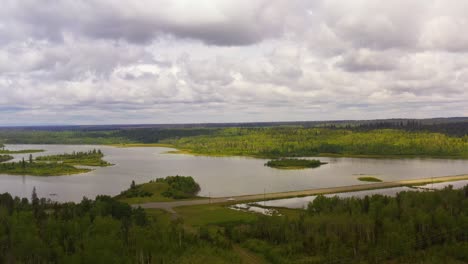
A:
55,165
4,158
294,163
369,179
89,158
39,168
160,190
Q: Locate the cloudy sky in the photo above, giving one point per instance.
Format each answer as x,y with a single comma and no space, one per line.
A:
166,61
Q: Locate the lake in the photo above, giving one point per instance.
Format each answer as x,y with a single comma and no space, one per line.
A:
217,176
302,202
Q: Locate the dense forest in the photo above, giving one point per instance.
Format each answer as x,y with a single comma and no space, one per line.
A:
440,138
409,228
100,231
297,141
422,227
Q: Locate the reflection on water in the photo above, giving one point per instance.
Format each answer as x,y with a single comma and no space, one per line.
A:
302,202
223,176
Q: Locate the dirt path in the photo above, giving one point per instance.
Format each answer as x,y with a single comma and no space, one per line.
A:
247,256
168,206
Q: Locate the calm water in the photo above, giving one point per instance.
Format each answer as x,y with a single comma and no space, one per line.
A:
302,202
224,176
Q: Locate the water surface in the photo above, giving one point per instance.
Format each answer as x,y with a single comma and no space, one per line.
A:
217,176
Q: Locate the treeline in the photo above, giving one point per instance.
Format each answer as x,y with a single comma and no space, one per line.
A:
297,142
456,129
152,135
97,231
376,229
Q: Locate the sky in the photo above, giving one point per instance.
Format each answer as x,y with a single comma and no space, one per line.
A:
185,61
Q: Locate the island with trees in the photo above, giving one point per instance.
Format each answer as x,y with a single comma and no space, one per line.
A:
55,165
89,158
369,179
294,163
160,190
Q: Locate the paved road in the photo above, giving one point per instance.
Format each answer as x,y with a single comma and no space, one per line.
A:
168,206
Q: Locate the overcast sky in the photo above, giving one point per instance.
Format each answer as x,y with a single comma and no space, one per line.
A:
166,61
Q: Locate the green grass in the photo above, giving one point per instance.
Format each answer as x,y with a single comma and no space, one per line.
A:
208,214
39,169
369,179
23,151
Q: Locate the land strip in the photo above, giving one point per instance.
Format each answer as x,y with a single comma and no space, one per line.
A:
168,206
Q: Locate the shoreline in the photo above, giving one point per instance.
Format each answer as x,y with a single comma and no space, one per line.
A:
190,152
168,206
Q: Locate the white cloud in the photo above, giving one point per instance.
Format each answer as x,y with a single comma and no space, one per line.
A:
218,61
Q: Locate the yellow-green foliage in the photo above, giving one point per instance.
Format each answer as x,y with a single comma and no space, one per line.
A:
298,141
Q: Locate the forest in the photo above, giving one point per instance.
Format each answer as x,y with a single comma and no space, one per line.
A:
97,231
413,227
301,142
422,227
